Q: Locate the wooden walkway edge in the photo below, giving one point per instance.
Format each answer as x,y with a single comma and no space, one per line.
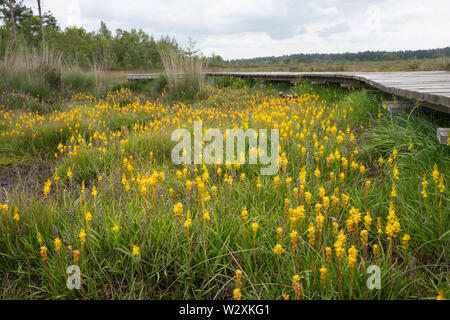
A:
429,88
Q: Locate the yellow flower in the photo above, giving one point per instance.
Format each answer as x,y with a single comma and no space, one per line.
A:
311,233
393,224
76,256
136,250
115,228
376,251
440,295
188,222
405,241
352,256
69,173
206,216
395,172
308,197
278,250
424,186
82,236
328,252
279,231
394,191
367,220
276,181
254,226
323,275
317,172
244,214
178,210
298,289
368,183
294,237
362,169
441,185
237,294
57,244
239,278
94,191
364,237
43,251
47,187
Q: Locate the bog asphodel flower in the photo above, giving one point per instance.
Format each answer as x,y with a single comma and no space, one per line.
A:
82,236
178,210
278,250
405,241
136,251
239,278
298,289
237,294
43,252
244,214
328,252
376,251
188,222
311,233
57,244
47,187
323,276
352,256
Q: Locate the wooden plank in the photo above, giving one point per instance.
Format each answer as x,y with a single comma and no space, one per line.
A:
432,87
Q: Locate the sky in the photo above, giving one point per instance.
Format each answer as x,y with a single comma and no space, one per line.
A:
237,29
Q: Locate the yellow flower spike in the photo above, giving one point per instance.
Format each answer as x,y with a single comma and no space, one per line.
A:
352,256
57,244
278,250
43,252
88,216
237,294
239,278
328,253
440,295
47,187
244,214
82,236
94,191
405,241
323,276
136,251
115,228
298,289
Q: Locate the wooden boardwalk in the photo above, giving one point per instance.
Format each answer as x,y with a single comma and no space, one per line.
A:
429,88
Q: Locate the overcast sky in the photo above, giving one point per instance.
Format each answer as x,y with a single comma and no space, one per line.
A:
254,28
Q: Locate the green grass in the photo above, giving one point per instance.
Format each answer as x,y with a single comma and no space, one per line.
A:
201,263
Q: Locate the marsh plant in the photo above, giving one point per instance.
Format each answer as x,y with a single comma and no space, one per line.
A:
185,73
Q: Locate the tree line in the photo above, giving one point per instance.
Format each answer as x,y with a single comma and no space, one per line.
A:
344,57
124,49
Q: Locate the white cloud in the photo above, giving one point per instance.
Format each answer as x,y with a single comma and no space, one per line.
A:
237,28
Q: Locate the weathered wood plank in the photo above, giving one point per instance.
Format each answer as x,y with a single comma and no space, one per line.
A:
432,87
